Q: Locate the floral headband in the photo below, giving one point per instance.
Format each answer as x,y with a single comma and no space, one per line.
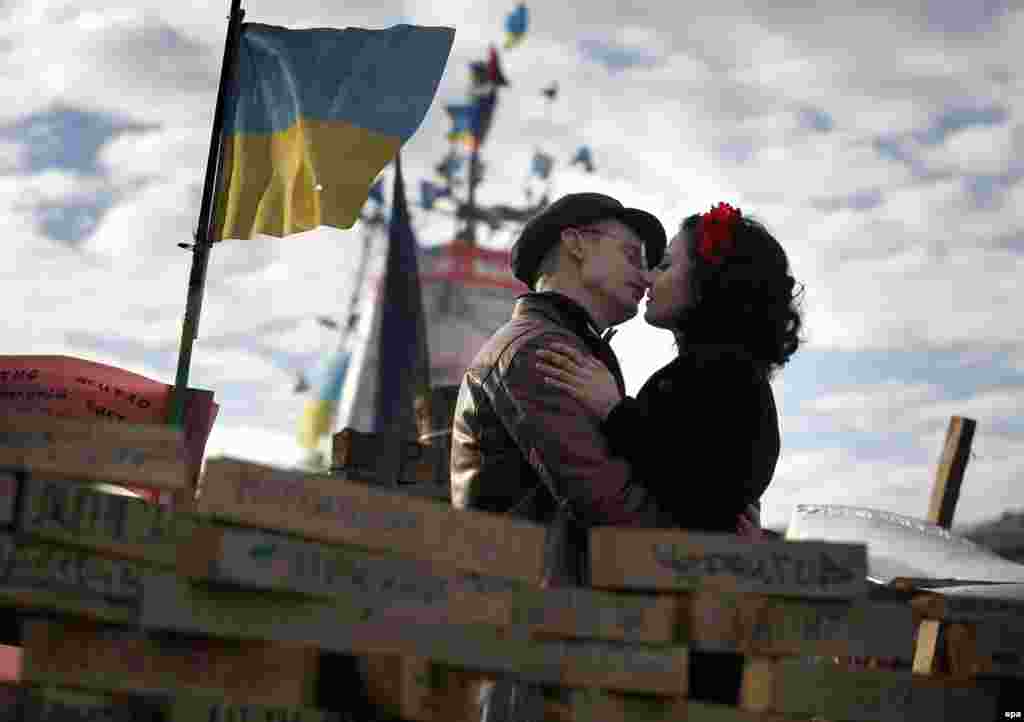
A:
717,232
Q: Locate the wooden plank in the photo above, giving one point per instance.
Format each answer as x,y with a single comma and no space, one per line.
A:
151,455
804,688
428,593
400,686
328,509
949,476
928,658
56,704
754,624
596,705
681,561
122,526
193,708
962,608
357,455
62,704
9,485
993,648
111,658
35,575
172,603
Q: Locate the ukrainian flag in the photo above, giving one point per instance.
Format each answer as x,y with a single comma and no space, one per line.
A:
515,25
320,411
314,116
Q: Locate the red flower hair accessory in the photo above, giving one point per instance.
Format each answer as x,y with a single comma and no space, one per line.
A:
717,232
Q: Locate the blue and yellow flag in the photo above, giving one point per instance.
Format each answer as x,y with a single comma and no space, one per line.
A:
313,118
319,413
515,25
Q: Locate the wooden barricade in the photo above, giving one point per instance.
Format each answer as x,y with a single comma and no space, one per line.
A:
225,610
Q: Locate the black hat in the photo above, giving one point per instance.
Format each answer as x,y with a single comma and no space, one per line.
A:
542,231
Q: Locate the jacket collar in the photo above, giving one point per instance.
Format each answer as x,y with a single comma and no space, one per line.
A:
559,308
571,315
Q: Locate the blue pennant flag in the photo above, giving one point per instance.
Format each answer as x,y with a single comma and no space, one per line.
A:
429,193
377,191
584,157
515,25
448,167
404,369
541,165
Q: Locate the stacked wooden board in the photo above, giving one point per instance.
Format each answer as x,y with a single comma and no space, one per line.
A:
224,612
73,569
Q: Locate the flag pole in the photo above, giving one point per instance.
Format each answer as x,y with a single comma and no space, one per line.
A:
201,248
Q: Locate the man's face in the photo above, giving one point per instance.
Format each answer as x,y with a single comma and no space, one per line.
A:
613,269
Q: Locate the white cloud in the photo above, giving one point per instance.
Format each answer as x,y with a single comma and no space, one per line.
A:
981,150
835,476
727,112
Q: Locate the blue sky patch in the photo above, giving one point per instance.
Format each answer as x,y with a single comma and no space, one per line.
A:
66,138
955,119
816,120
616,57
72,222
862,200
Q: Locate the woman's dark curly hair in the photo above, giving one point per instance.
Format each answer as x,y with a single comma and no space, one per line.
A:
746,305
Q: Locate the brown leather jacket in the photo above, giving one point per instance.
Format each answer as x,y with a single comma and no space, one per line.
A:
522,447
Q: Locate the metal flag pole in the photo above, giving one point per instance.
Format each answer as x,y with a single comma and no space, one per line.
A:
201,248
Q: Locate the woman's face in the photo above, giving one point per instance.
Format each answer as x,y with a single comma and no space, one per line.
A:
670,285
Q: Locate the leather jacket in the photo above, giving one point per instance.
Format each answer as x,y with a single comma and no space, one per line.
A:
523,447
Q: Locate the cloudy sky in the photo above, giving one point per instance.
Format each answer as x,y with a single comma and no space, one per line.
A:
882,143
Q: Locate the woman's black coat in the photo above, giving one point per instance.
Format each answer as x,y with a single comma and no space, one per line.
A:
703,436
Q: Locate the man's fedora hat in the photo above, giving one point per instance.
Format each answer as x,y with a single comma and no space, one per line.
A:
543,231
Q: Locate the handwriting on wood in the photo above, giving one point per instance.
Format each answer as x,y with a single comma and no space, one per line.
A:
419,591
189,708
77,515
676,560
766,625
61,704
332,510
151,455
172,603
47,576
92,656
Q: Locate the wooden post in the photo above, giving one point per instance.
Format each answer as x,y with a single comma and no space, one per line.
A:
950,474
929,658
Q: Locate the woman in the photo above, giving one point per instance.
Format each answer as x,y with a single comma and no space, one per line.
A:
703,431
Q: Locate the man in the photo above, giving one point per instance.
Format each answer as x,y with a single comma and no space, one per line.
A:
524,448
518,445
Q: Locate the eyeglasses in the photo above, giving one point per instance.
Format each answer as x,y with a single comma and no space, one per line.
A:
634,254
